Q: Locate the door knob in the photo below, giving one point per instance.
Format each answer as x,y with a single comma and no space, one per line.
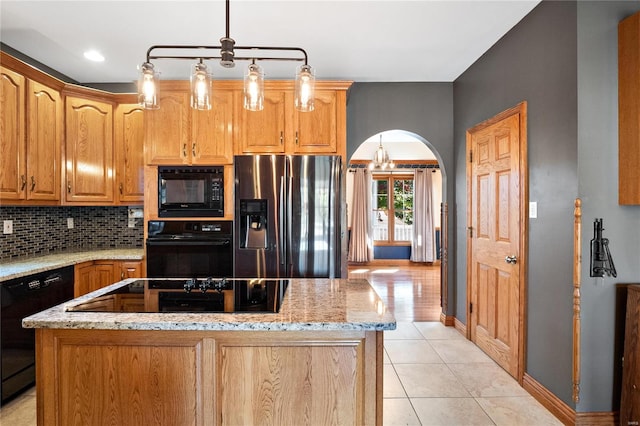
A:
511,259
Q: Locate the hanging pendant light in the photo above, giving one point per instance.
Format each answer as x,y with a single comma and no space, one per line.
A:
305,88
381,158
228,53
254,88
148,87
200,87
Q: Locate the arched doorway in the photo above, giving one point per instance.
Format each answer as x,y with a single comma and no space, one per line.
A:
409,153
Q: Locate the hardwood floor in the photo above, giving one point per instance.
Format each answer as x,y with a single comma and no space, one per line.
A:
412,293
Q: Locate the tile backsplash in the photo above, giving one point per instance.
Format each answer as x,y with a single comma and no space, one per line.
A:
43,230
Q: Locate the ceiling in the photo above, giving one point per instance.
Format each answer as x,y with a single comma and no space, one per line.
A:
364,41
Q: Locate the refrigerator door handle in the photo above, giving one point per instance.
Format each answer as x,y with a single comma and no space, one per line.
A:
281,213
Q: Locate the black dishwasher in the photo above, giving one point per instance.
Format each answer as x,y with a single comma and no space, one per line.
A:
19,298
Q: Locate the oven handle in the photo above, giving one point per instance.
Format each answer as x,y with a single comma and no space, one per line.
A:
216,243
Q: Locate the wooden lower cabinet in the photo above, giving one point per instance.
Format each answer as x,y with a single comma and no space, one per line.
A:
209,377
630,401
93,275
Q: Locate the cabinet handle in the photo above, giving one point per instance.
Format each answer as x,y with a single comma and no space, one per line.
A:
122,275
69,187
23,179
281,137
296,137
120,187
33,183
193,150
184,150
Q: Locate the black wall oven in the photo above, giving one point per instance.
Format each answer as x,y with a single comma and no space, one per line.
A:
190,249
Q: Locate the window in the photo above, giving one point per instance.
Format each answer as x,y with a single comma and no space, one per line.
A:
392,209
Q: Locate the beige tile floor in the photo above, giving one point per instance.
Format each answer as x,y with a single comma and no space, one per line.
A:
432,376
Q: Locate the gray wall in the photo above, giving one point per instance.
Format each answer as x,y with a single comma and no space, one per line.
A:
425,109
598,189
535,62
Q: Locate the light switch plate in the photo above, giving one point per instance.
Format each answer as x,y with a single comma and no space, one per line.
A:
533,209
7,227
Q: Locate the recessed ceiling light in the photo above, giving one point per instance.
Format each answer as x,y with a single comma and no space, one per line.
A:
94,55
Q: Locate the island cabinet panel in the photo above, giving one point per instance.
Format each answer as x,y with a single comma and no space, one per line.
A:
122,378
89,151
290,384
128,377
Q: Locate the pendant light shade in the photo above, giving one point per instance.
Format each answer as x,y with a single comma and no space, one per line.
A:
254,88
381,158
305,88
200,87
148,87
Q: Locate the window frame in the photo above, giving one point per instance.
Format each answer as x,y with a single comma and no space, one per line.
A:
390,177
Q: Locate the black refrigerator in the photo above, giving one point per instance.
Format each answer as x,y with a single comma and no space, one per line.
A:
288,218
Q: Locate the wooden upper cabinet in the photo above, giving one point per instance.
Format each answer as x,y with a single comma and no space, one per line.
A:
32,126
167,130
89,151
129,150
13,174
212,131
629,110
44,132
280,128
318,131
262,131
177,134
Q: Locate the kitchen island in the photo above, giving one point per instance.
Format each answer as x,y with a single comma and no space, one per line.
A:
318,360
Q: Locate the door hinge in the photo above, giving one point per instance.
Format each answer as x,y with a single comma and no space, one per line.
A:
470,231
470,308
471,156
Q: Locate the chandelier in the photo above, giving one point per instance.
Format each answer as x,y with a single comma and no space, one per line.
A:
201,78
381,158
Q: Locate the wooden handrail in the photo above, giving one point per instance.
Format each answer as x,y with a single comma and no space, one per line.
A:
577,263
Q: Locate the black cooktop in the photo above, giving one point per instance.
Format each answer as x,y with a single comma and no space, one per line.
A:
212,295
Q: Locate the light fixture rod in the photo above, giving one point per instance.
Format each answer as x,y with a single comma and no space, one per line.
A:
241,58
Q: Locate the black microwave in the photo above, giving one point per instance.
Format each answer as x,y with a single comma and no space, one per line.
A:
191,191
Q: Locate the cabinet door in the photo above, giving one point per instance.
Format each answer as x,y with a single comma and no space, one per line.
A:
130,269
129,143
44,130
212,135
107,273
83,278
167,130
262,131
13,179
89,151
317,131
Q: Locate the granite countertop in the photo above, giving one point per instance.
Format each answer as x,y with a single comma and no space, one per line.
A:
32,265
309,304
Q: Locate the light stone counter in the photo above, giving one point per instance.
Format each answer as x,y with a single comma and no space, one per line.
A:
33,265
309,304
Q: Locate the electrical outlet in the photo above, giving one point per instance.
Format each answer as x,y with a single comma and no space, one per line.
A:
7,227
69,223
132,223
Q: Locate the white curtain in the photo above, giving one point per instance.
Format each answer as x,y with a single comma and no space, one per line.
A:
361,244
423,244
